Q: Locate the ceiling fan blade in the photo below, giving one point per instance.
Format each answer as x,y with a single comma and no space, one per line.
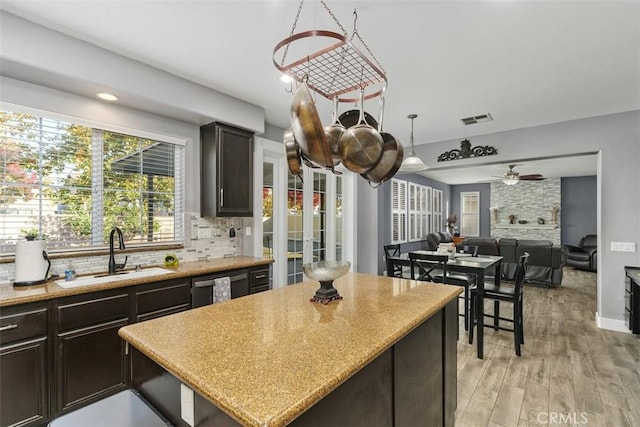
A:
532,177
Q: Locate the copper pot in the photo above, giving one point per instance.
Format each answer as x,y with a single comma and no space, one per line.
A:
334,132
292,152
360,146
308,130
392,156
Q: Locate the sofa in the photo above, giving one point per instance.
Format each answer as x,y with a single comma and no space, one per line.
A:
585,255
434,239
545,263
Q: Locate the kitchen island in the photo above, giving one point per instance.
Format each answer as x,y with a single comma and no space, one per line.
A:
383,355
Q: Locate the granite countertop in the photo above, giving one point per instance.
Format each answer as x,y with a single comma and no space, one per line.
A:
10,295
266,358
634,275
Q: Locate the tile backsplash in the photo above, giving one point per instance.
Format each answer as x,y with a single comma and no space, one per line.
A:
204,238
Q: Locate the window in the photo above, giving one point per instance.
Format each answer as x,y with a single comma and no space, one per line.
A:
437,219
72,183
398,211
470,207
419,211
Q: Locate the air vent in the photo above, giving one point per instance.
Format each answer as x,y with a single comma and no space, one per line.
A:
482,118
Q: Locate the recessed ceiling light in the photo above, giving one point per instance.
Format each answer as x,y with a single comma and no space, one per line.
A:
107,96
286,78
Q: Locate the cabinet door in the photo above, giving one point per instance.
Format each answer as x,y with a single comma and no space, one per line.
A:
91,363
226,171
23,383
161,299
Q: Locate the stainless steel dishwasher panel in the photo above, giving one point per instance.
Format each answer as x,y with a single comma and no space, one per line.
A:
202,287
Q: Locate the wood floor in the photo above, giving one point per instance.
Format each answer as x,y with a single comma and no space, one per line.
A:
570,372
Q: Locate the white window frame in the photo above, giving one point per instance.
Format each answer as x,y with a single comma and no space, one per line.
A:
399,206
437,218
466,216
179,185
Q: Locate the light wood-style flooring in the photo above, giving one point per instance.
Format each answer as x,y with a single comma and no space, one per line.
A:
570,373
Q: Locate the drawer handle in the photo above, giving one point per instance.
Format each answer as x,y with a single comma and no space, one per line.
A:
261,276
7,327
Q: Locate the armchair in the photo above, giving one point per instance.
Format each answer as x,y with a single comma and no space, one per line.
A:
585,255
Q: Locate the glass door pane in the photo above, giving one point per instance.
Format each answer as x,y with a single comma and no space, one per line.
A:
295,232
267,210
339,236
319,247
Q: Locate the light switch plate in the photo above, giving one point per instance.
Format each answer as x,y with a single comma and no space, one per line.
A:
623,247
186,405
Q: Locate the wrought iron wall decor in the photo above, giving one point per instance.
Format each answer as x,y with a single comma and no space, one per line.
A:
466,152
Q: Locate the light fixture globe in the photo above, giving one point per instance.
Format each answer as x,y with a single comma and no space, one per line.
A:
511,177
412,163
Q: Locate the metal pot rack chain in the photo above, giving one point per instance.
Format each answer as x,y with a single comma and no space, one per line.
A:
337,70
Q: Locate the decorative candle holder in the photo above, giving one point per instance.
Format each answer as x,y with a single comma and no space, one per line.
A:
326,272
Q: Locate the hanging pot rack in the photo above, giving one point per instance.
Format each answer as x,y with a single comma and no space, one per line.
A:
337,70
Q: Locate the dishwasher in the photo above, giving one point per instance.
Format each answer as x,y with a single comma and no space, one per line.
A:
202,286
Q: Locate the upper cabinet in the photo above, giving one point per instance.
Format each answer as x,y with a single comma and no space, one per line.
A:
226,187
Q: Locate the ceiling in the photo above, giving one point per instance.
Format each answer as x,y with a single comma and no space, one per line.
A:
527,63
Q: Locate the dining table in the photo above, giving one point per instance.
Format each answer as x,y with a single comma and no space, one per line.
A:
480,266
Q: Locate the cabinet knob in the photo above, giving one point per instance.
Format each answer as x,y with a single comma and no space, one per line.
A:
221,197
7,327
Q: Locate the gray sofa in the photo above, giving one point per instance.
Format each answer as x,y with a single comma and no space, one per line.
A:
545,263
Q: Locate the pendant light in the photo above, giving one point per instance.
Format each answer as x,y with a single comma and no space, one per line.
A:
413,162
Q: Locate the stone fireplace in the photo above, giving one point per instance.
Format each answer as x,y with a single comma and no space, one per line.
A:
531,203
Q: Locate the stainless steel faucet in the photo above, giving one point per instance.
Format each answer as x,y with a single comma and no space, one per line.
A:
113,267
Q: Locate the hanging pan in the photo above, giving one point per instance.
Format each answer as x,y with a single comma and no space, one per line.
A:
360,146
350,118
308,130
392,155
292,152
334,132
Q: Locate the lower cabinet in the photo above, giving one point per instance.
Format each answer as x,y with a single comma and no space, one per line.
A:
59,355
89,356
24,373
162,298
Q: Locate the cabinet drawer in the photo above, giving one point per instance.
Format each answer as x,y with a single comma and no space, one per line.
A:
164,312
18,323
256,289
82,311
260,277
159,296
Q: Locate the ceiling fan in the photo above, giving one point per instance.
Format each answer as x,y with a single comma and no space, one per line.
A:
512,177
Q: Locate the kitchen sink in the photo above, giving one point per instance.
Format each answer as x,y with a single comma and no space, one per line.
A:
107,278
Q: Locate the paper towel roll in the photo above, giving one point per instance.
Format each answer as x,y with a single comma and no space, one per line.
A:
30,264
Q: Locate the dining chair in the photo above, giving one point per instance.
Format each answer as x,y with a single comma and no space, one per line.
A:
434,268
391,251
504,293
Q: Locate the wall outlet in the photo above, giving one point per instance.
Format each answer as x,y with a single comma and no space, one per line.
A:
623,247
186,405
247,231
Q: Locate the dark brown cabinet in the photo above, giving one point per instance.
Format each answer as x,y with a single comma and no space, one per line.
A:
259,281
226,170
89,356
632,299
163,298
24,373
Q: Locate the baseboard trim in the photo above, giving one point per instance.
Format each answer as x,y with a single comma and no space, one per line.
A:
611,324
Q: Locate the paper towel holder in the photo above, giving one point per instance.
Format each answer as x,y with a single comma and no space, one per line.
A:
45,256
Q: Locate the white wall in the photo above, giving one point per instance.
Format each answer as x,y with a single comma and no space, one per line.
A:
617,138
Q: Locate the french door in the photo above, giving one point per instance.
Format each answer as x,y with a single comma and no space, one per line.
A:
301,221
315,218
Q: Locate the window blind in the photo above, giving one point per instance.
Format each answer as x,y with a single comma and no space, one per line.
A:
71,184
